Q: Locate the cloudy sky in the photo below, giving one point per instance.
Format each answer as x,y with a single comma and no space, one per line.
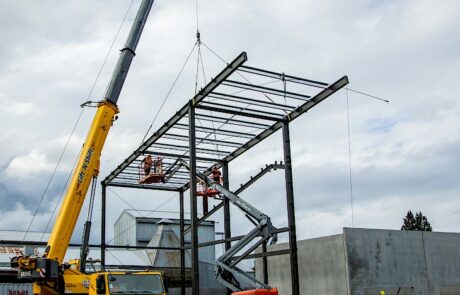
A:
405,154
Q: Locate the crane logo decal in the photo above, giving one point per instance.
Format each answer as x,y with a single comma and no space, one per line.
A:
84,167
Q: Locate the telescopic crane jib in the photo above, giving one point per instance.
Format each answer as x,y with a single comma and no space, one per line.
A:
50,273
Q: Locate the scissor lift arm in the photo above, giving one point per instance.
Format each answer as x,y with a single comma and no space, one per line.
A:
226,270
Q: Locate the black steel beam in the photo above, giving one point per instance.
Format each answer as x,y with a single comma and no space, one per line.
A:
13,243
218,131
224,74
281,76
175,156
251,101
243,109
227,221
265,90
264,262
239,113
211,141
141,186
231,121
185,148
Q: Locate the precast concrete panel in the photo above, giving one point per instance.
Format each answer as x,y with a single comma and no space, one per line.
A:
322,268
442,254
385,258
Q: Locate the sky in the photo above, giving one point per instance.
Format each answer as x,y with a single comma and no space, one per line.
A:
404,154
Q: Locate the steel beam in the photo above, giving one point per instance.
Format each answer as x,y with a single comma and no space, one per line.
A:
141,186
266,90
239,113
175,156
251,101
281,76
215,142
231,121
243,109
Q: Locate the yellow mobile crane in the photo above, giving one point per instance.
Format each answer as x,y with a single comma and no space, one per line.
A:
49,272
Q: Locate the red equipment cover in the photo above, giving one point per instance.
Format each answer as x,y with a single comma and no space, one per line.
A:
273,291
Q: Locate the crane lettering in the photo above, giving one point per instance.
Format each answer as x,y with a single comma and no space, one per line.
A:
84,167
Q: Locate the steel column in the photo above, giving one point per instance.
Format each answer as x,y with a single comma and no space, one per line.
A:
182,243
103,223
264,263
227,227
290,210
193,202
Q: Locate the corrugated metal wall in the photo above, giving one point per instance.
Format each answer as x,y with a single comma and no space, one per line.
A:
125,230
16,289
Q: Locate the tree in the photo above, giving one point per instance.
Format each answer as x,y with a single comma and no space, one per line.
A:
417,223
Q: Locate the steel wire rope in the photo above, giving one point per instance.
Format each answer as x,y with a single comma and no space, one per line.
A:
113,255
169,93
350,163
52,175
73,129
60,198
200,58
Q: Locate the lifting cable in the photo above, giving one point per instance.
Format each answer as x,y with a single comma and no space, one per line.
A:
350,174
73,130
349,162
60,197
169,93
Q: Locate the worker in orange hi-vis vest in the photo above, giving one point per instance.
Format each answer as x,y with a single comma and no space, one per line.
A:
148,162
216,174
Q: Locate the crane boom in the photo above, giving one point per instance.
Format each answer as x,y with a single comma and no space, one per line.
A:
88,163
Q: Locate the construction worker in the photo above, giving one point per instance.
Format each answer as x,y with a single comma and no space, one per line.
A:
159,165
382,292
216,174
148,162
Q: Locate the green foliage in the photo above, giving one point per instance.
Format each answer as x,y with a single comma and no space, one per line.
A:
417,223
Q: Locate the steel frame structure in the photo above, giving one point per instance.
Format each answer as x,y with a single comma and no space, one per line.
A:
235,111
